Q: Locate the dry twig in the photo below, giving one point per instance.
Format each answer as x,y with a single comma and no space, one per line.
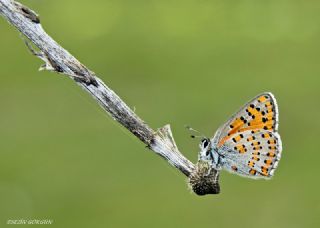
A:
59,60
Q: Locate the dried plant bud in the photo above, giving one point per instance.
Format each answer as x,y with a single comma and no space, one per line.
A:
204,179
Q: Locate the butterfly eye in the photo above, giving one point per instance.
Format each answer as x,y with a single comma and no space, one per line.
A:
205,143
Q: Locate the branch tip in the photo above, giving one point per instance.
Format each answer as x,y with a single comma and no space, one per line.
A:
204,180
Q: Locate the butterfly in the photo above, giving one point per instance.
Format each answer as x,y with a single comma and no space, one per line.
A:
248,144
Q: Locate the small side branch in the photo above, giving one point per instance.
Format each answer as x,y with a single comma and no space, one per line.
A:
59,60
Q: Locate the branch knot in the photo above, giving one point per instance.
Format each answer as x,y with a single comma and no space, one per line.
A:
28,13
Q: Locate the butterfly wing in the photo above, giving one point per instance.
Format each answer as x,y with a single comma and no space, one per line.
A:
255,154
250,139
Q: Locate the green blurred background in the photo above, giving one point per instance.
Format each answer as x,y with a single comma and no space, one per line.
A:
178,62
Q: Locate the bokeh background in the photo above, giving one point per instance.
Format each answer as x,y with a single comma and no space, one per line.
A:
178,62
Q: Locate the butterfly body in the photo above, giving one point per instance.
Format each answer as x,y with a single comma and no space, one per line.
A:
248,144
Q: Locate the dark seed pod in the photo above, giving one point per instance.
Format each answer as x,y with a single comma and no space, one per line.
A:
204,179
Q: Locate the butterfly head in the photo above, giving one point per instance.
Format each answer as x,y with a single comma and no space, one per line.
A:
205,148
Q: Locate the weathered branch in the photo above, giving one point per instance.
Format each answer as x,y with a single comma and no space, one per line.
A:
59,60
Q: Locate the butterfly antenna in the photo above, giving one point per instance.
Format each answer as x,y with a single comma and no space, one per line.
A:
195,136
